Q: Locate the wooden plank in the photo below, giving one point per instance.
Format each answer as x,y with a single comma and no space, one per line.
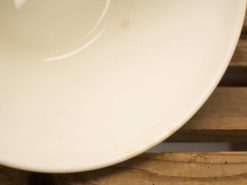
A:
151,169
168,168
12,177
222,118
244,32
236,74
240,55
245,21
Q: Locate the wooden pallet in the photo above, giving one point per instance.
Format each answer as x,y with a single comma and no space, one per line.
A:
222,118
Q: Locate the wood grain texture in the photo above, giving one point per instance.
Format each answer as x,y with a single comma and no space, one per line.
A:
222,118
245,21
240,55
244,32
236,74
168,168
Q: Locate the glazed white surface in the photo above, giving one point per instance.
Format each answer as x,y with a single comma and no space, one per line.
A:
144,69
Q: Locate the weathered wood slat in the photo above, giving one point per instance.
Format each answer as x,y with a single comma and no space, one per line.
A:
244,32
236,74
152,169
245,21
240,55
222,118
168,168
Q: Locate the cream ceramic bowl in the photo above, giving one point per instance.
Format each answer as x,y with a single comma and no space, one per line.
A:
89,83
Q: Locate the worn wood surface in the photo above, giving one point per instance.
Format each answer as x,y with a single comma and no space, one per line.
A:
222,118
240,55
168,168
236,74
149,169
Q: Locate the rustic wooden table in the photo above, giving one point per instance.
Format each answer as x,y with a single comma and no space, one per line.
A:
222,119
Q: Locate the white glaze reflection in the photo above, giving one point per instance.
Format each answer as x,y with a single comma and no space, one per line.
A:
19,3
87,36
50,30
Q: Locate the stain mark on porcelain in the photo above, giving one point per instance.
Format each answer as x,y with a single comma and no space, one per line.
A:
125,24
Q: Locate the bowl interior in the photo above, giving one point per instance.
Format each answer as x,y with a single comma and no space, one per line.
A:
89,83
